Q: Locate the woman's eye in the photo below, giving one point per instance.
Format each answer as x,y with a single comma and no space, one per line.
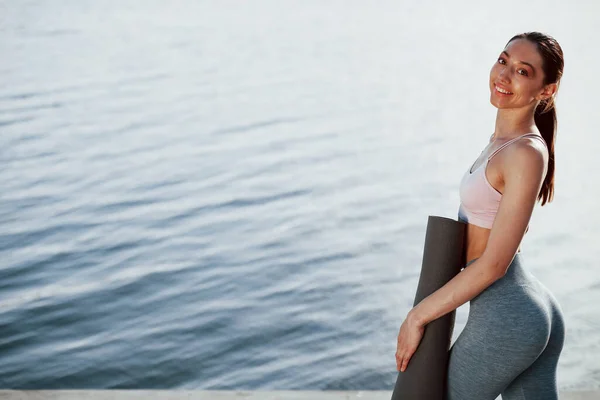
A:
523,72
501,60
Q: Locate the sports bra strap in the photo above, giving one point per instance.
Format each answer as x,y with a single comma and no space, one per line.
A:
514,140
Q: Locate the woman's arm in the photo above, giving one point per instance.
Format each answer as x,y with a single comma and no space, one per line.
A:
523,173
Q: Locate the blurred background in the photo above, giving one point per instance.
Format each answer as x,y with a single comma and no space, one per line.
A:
234,194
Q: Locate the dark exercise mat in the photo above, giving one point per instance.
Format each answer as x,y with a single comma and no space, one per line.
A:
425,375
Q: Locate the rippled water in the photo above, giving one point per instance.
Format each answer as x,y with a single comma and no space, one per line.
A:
234,195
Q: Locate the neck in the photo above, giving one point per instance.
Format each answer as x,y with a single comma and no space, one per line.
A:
513,122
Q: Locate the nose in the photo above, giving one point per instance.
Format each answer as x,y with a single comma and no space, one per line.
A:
503,75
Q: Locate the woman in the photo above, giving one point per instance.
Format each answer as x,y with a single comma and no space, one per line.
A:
515,330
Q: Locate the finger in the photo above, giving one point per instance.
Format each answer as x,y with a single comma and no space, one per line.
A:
405,361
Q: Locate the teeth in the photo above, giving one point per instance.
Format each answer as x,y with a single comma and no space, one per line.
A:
502,90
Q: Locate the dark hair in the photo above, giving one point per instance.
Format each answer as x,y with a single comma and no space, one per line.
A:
545,113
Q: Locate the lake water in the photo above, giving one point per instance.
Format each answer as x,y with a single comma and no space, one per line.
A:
234,195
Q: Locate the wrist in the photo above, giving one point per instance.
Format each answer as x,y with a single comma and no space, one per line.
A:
415,317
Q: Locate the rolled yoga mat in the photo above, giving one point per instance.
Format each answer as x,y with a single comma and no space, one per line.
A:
425,375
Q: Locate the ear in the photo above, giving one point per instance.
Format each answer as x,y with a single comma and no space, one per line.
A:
548,91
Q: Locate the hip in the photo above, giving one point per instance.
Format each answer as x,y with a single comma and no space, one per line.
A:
518,295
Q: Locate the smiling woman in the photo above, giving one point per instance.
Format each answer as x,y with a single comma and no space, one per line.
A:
515,331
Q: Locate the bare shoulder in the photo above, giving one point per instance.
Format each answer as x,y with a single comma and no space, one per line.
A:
535,143
527,158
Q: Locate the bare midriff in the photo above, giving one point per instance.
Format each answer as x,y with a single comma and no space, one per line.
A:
476,240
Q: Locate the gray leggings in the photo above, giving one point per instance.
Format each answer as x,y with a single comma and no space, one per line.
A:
511,342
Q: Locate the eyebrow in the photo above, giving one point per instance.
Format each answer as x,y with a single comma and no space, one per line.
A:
522,62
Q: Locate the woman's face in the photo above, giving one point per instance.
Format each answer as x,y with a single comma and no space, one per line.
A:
517,78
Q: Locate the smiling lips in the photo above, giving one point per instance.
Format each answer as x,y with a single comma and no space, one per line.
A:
502,91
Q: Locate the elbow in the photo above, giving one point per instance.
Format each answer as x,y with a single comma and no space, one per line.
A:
496,269
499,272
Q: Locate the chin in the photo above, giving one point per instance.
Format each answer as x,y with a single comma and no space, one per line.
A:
498,104
494,102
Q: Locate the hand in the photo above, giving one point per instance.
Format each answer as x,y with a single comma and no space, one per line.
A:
411,333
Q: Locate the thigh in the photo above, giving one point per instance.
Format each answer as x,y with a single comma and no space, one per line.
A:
487,356
538,382
475,370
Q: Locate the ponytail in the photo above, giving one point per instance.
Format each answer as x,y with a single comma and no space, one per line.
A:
545,120
545,112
